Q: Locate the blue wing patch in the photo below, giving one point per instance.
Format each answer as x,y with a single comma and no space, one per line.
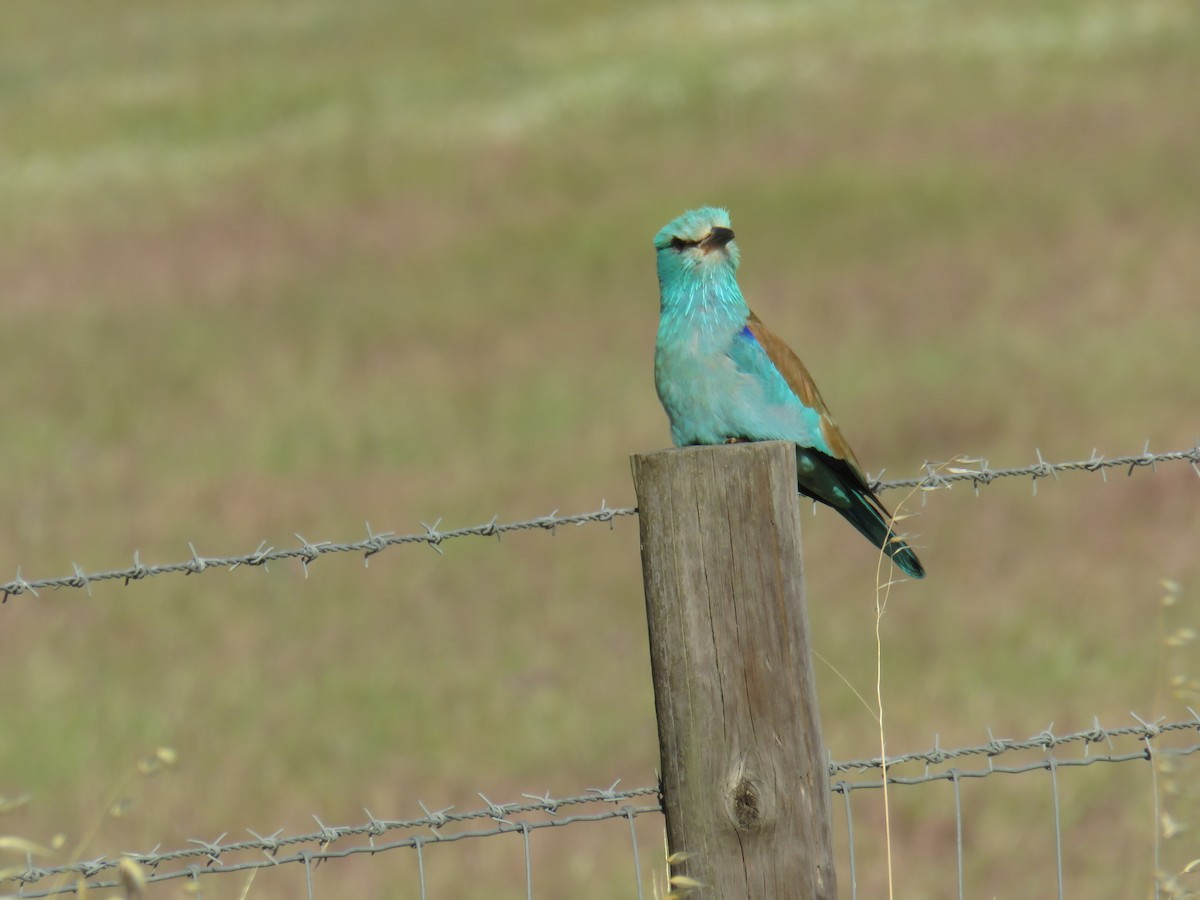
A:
751,359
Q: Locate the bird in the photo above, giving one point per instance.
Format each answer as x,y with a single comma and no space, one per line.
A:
723,377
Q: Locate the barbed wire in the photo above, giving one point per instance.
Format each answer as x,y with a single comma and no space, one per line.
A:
937,476
437,826
977,471
210,856
307,552
1045,741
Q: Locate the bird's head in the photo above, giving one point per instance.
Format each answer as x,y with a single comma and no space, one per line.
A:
698,244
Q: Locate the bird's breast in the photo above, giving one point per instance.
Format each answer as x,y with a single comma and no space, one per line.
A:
710,398
698,384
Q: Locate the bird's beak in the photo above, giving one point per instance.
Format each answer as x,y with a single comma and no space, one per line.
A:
716,239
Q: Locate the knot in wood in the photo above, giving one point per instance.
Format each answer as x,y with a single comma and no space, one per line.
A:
747,811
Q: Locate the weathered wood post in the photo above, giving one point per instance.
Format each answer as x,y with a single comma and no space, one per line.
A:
744,770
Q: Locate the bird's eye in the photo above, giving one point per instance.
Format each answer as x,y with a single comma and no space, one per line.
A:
678,243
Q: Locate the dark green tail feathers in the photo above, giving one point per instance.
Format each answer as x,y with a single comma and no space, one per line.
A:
864,512
871,519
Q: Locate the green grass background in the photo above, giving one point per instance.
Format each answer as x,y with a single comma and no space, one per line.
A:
273,267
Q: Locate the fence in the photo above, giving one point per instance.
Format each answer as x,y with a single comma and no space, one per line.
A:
975,471
1144,742
1163,744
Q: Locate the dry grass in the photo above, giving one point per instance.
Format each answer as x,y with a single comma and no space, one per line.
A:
275,271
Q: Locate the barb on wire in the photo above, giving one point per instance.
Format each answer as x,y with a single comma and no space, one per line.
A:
977,471
217,856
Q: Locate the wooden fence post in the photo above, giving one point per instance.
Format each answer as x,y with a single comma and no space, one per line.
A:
744,771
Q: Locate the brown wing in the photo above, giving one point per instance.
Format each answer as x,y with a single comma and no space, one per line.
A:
800,381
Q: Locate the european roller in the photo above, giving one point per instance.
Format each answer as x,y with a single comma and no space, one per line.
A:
723,377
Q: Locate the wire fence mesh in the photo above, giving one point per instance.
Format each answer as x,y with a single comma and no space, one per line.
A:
371,837
1160,746
1054,754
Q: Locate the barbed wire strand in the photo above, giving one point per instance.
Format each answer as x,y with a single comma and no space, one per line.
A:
977,470
937,476
1045,740
208,857
211,853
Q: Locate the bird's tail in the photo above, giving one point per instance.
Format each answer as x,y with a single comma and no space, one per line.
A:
872,520
841,485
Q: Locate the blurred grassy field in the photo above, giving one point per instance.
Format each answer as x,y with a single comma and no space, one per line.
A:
279,267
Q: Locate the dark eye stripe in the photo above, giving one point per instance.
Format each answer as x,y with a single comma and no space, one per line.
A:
678,243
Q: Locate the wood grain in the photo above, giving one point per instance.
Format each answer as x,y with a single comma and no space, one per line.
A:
744,769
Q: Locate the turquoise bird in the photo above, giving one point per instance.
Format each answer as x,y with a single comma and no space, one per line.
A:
723,377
